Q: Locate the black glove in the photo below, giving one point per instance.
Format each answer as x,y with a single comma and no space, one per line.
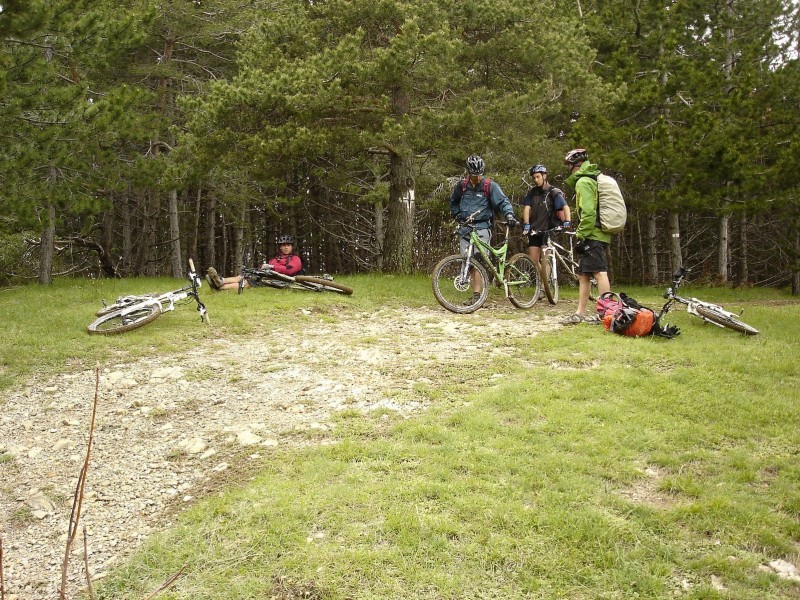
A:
580,246
511,220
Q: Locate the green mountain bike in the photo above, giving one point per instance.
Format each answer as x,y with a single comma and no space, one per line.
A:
454,276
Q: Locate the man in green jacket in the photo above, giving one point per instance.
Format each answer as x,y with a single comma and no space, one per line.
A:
592,242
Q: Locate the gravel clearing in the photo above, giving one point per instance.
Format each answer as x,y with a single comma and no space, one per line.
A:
171,428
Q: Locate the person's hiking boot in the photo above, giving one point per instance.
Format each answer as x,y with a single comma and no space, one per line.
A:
213,279
470,301
575,319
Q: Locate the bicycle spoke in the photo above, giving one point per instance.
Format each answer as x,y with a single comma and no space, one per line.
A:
523,281
453,284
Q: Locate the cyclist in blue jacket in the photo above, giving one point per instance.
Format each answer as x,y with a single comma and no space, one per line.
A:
476,194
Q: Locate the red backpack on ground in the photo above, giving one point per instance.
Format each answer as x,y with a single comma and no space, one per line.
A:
623,315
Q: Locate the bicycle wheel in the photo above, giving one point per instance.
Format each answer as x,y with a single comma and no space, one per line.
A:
726,321
523,281
550,277
119,322
122,303
454,291
325,284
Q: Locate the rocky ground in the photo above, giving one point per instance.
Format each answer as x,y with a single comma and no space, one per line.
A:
170,428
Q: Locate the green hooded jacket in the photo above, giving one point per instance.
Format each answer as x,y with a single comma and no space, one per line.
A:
586,203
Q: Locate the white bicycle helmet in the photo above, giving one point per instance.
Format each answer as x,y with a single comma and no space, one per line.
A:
475,165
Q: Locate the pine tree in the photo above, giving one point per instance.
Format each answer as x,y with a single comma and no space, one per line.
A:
324,88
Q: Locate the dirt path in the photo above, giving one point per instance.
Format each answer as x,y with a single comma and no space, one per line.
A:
168,428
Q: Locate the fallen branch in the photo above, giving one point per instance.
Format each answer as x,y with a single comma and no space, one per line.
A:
77,499
2,581
86,565
167,583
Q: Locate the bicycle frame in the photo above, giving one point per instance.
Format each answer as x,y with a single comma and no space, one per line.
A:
671,295
491,256
565,257
166,301
131,312
707,311
271,278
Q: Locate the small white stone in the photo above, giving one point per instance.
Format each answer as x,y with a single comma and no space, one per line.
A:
247,438
64,443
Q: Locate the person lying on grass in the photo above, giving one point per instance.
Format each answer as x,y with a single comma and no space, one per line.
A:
283,262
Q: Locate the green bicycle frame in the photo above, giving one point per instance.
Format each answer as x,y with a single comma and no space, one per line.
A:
485,249
487,252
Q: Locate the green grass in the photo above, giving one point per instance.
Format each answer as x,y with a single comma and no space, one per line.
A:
597,467
44,328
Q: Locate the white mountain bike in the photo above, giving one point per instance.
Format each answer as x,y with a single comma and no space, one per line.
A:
132,312
710,313
553,255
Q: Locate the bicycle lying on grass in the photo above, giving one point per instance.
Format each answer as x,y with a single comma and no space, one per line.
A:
554,254
268,277
132,312
710,313
452,276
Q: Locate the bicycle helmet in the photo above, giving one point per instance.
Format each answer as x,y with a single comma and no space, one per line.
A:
475,165
537,169
285,239
576,157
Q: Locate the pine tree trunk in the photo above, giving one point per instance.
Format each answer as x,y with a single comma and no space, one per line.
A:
796,271
127,234
196,223
147,239
380,240
652,248
744,267
675,241
107,237
211,231
399,240
239,235
398,248
642,270
225,239
175,235
723,248
378,221
47,248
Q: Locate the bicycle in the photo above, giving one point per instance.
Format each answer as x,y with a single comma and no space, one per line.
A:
710,313
268,277
554,254
131,312
452,276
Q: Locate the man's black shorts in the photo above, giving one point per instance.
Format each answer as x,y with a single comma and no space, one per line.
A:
593,260
538,240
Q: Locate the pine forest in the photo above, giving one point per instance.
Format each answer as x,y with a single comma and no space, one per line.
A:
139,133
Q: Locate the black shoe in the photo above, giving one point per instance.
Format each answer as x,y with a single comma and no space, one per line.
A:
470,301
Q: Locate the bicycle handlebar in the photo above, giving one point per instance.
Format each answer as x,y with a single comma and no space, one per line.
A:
469,221
556,229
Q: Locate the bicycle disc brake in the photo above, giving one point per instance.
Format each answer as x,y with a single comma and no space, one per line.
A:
461,283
